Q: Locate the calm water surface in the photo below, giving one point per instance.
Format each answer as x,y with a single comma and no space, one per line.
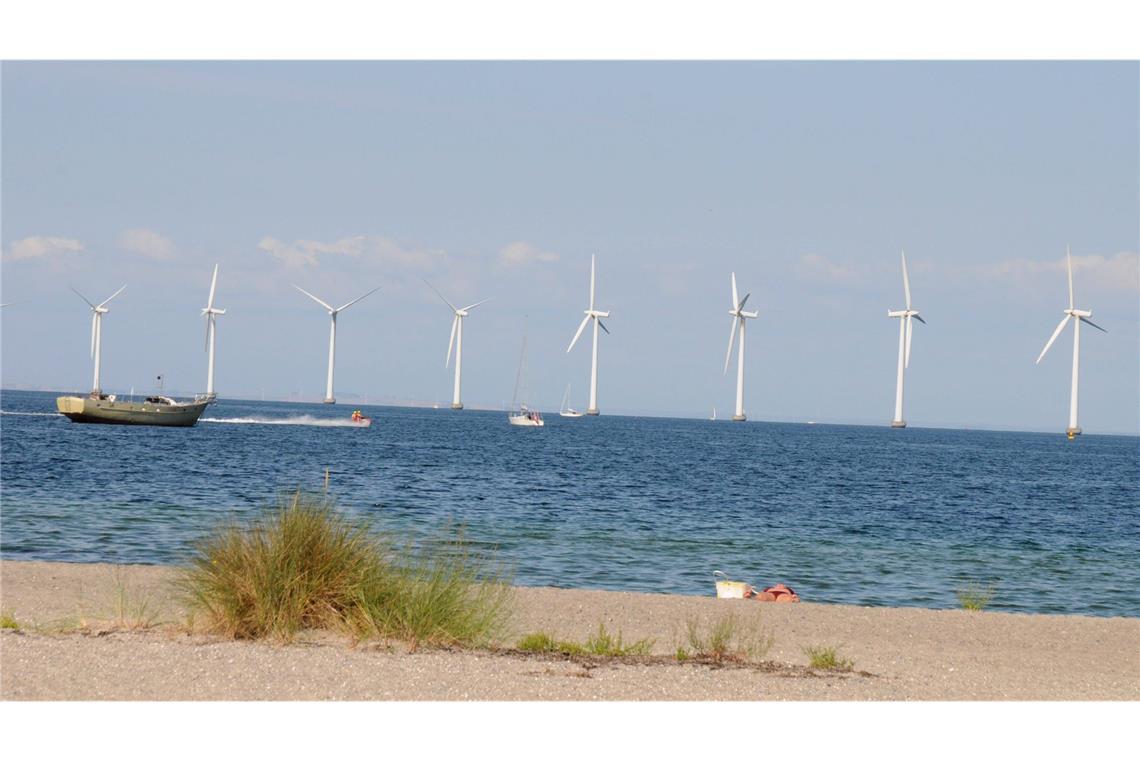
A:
848,514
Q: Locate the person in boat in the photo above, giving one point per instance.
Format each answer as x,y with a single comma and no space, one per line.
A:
357,416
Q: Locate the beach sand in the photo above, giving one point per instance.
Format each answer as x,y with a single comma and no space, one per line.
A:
75,641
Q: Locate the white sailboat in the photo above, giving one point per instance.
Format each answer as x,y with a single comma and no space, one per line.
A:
566,411
522,415
713,418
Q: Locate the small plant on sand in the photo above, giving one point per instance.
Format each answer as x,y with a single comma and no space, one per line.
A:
303,566
728,639
603,644
8,622
976,597
600,644
827,658
133,611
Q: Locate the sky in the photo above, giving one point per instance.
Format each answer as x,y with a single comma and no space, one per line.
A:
500,180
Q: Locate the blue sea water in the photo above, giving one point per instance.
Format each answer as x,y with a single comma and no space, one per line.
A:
848,514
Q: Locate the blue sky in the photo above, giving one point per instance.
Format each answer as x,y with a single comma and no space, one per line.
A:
500,179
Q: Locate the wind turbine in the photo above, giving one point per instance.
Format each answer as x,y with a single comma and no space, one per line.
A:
905,327
739,317
595,315
1078,316
211,314
457,341
97,313
329,399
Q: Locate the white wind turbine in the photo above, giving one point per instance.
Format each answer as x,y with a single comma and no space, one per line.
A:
97,313
1078,316
457,341
211,314
739,317
329,399
905,328
595,315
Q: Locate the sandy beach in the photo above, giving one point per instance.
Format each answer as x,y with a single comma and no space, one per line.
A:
106,632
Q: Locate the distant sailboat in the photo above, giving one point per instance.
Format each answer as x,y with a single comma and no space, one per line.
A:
713,418
566,411
522,415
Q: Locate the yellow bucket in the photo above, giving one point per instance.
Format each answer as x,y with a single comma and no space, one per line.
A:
726,589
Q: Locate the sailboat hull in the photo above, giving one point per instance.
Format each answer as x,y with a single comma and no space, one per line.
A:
108,411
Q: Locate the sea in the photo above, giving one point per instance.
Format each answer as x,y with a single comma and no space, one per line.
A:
842,514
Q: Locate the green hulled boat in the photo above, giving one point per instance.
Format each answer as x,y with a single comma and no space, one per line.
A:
106,409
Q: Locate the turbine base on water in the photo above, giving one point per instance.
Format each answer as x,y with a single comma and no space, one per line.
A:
593,412
1073,431
457,406
329,401
739,418
898,423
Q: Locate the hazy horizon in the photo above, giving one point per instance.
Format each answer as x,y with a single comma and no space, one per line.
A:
501,179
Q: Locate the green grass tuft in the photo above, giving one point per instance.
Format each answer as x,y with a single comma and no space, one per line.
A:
728,639
827,658
976,597
303,566
8,622
601,644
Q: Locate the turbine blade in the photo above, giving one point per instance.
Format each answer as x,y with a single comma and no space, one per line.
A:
591,282
1069,260
906,282
451,340
449,303
602,325
731,340
310,295
76,292
578,334
117,292
735,298
350,303
94,319
213,285
1060,327
744,301
909,327
920,319
1090,322
477,303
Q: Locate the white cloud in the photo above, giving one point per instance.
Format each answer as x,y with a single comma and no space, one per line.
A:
147,243
1118,272
520,253
36,247
816,267
378,251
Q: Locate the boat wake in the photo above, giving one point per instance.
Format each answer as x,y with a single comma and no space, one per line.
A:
304,419
31,414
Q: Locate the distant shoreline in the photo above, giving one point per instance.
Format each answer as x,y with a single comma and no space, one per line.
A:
347,400
897,653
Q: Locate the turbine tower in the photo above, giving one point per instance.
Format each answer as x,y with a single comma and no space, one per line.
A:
739,317
592,313
211,314
457,341
329,399
97,313
905,327
1078,316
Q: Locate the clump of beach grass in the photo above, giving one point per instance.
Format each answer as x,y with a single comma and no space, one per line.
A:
599,644
8,622
827,658
727,638
976,597
303,566
134,611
